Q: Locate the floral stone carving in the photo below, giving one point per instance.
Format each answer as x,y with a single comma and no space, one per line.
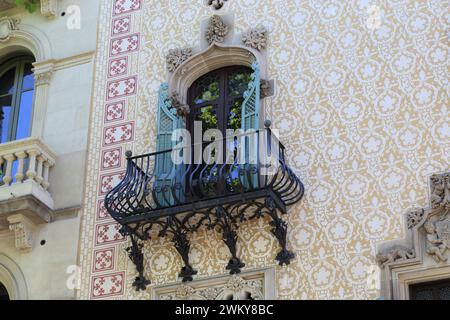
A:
217,30
176,57
255,38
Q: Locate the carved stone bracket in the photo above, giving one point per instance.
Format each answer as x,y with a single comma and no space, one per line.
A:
181,108
7,25
255,38
23,232
176,57
217,30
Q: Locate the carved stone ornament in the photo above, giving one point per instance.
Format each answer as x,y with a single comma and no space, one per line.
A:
236,287
414,217
43,78
176,57
216,4
255,38
7,25
217,30
265,89
182,109
49,8
23,232
428,236
395,254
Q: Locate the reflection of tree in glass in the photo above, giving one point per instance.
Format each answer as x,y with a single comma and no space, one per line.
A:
208,118
238,83
234,118
210,93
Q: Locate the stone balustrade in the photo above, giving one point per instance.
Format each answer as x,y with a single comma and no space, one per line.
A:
31,160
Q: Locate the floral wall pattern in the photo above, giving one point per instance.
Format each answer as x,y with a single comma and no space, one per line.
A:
361,101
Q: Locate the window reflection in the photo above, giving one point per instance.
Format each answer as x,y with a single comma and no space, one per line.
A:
16,98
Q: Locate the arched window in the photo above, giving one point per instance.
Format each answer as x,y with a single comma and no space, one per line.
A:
3,293
216,99
16,98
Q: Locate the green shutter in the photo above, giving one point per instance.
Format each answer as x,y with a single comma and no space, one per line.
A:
167,122
250,120
250,106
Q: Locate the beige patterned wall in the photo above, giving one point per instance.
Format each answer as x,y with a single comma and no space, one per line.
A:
362,107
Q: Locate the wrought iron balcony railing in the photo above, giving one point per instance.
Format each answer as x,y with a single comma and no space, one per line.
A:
158,197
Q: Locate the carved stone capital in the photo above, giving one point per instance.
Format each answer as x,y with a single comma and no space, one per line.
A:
255,38
7,25
23,232
176,57
49,8
217,30
43,78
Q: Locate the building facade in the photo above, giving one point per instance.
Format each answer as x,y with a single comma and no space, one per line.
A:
357,93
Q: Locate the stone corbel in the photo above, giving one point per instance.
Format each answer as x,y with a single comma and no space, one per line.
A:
267,88
7,25
49,8
23,230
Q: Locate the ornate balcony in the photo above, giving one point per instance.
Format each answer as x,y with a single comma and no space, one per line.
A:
158,197
24,197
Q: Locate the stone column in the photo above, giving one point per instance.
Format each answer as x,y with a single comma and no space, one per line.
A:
42,74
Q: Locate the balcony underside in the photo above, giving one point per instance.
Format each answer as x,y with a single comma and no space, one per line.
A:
157,198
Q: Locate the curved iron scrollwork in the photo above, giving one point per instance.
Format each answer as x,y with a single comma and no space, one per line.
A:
158,198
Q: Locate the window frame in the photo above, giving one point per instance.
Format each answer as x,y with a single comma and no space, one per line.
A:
18,63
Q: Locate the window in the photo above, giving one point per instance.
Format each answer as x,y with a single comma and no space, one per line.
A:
438,290
3,293
216,99
16,98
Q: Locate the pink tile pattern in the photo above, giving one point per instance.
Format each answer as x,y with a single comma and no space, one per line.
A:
125,44
109,181
121,88
104,259
118,133
111,159
102,214
104,286
125,6
115,111
107,278
108,233
121,25
118,67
